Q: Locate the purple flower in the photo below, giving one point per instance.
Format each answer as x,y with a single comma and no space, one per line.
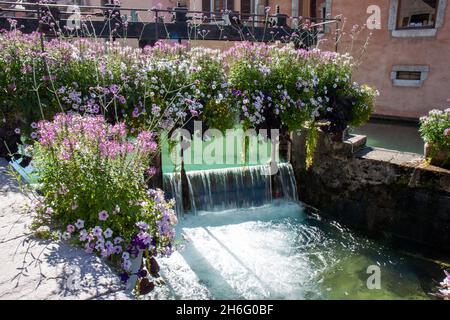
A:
114,89
105,253
88,248
125,256
79,224
109,245
103,215
97,231
156,109
142,225
117,249
151,171
70,228
83,235
118,240
17,131
126,264
107,233
122,99
142,273
124,277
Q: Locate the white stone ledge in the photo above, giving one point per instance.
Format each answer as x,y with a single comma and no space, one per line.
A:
414,33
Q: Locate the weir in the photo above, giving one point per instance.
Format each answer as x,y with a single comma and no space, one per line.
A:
231,188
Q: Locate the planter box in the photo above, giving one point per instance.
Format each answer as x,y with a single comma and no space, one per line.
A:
440,158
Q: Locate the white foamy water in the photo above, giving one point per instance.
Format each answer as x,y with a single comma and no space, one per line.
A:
277,252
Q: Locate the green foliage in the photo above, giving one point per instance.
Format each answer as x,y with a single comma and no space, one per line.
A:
363,103
435,129
311,143
87,168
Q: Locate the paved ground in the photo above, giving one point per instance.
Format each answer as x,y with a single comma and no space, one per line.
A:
31,268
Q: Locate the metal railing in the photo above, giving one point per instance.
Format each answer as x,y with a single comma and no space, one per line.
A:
223,25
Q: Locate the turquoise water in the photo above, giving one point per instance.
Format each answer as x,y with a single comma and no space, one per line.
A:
224,150
277,251
392,135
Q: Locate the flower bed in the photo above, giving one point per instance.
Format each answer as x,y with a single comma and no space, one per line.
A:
258,85
435,130
92,182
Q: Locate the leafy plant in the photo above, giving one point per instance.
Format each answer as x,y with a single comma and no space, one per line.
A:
91,177
435,129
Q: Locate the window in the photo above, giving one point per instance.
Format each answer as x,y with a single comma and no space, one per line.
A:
416,18
221,5
416,14
246,9
409,76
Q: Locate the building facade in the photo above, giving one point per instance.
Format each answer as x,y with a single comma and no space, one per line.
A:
408,57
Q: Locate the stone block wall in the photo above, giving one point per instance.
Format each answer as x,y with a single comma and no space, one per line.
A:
384,193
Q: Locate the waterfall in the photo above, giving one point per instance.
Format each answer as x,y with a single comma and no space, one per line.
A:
172,189
232,188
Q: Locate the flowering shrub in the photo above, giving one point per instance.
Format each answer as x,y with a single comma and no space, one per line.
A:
435,129
280,86
93,190
163,86
159,88
208,76
149,88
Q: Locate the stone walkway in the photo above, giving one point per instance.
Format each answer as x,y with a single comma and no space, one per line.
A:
32,268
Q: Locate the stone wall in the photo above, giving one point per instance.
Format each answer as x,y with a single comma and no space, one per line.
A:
384,193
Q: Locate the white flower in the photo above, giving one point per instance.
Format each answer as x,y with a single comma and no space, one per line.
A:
66,236
125,256
83,235
107,233
79,224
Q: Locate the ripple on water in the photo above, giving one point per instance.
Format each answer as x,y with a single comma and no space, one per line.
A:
277,252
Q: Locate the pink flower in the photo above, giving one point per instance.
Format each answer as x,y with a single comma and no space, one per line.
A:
151,171
70,228
145,141
447,132
103,215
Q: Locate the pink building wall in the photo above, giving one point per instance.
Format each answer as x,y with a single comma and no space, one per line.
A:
385,51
